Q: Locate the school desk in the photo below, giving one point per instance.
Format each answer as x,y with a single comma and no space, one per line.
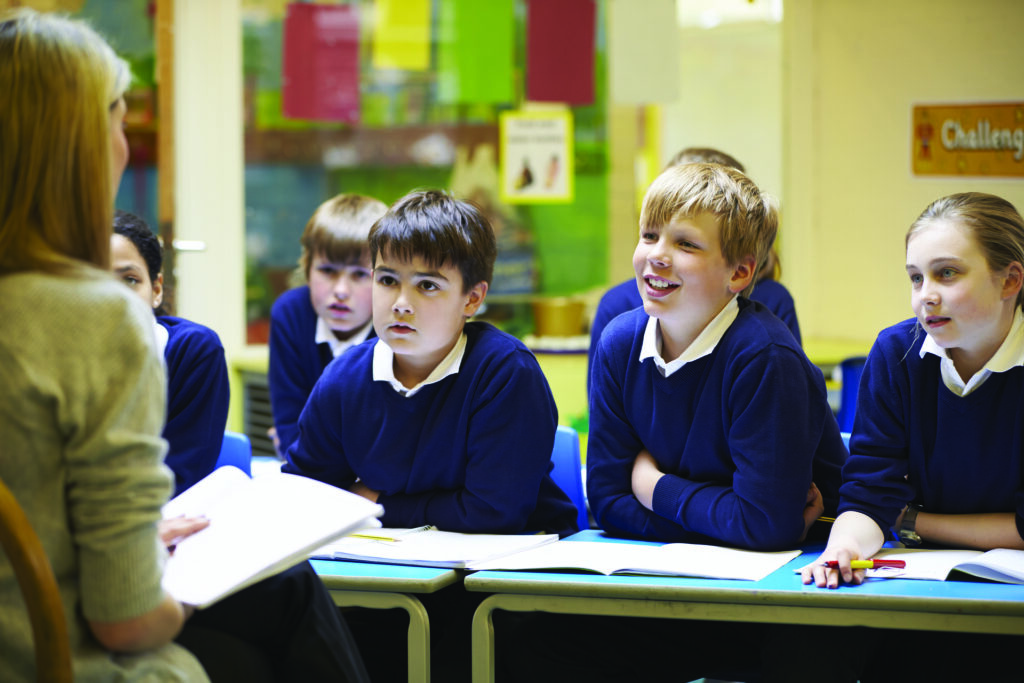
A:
778,598
388,586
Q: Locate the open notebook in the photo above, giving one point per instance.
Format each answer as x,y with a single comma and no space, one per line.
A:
672,559
258,527
1001,564
428,547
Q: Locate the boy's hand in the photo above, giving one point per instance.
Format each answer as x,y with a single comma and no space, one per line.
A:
813,508
361,489
645,477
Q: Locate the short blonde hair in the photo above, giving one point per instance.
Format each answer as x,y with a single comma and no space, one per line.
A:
748,219
338,231
59,80
995,223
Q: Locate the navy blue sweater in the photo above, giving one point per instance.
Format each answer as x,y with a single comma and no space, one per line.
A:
740,434
471,452
296,360
625,297
197,400
915,441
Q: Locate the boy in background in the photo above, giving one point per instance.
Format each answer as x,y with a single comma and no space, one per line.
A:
313,324
439,420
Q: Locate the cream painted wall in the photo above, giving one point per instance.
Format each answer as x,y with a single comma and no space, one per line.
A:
208,132
852,72
731,98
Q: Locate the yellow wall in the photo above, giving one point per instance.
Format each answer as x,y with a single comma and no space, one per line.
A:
852,72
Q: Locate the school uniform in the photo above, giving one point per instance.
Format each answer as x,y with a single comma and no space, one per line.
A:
469,449
625,296
197,398
917,440
924,436
740,424
300,349
777,299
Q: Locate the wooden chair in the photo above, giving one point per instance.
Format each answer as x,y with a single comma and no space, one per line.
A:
39,589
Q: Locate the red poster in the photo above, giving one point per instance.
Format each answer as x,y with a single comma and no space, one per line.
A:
320,70
560,51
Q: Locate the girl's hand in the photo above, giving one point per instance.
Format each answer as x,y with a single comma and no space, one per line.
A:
173,530
825,577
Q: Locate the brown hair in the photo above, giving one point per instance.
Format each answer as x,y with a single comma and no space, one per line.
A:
440,229
338,231
705,155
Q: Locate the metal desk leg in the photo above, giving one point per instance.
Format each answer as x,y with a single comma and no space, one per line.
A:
419,626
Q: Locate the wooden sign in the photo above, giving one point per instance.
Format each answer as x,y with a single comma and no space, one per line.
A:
968,139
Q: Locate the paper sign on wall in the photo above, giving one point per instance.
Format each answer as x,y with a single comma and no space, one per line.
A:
536,156
401,34
968,139
320,69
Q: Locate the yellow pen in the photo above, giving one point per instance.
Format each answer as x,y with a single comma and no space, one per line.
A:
370,537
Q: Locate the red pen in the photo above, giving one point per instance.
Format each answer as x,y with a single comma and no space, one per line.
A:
869,564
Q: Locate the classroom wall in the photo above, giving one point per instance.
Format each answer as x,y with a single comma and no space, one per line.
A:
209,206
852,71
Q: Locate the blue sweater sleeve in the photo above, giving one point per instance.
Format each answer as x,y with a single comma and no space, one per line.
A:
875,479
774,427
197,404
621,298
319,450
612,448
511,418
292,362
750,460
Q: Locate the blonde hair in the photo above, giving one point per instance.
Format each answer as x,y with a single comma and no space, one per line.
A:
338,231
59,80
995,223
747,218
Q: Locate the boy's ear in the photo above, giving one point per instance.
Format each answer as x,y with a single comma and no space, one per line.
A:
1013,280
742,274
158,290
474,298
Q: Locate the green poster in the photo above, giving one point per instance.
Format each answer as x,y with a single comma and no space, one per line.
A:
476,50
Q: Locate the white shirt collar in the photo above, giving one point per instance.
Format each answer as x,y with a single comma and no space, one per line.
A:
704,344
162,335
324,335
384,366
1009,355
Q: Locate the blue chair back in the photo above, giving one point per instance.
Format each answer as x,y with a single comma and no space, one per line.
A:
236,450
850,371
567,471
